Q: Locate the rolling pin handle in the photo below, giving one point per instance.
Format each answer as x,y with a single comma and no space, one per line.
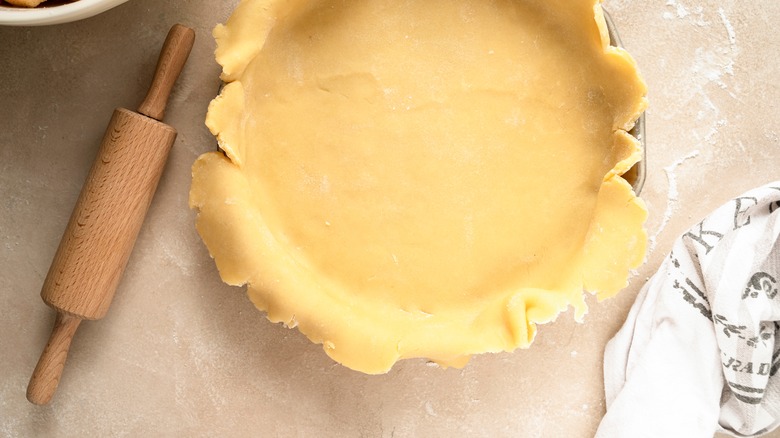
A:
173,56
46,376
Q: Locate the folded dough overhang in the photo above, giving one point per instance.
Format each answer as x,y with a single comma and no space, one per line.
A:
421,179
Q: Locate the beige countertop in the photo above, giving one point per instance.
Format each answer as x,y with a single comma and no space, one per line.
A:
181,354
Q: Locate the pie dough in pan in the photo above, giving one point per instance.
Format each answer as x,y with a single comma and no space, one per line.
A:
421,178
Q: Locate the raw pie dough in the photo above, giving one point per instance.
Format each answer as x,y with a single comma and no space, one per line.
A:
424,178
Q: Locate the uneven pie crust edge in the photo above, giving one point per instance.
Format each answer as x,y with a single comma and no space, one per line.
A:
614,245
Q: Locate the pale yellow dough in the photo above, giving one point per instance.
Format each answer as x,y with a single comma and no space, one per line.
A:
425,178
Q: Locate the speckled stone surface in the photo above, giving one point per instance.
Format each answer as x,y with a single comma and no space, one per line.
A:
181,354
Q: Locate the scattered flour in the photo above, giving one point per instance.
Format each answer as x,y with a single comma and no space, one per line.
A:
729,29
681,11
694,14
710,135
713,64
672,197
429,409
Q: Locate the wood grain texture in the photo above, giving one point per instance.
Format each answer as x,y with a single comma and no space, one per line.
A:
174,55
108,215
46,376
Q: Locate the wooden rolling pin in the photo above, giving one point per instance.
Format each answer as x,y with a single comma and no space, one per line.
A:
105,222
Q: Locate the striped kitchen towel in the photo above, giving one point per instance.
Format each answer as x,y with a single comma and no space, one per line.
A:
700,349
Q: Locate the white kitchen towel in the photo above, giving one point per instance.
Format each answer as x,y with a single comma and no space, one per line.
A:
700,349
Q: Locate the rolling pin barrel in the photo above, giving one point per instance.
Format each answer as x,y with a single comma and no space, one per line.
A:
108,215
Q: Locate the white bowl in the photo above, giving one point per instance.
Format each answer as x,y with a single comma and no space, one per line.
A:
40,16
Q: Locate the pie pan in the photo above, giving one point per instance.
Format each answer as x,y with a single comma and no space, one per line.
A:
393,187
637,174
